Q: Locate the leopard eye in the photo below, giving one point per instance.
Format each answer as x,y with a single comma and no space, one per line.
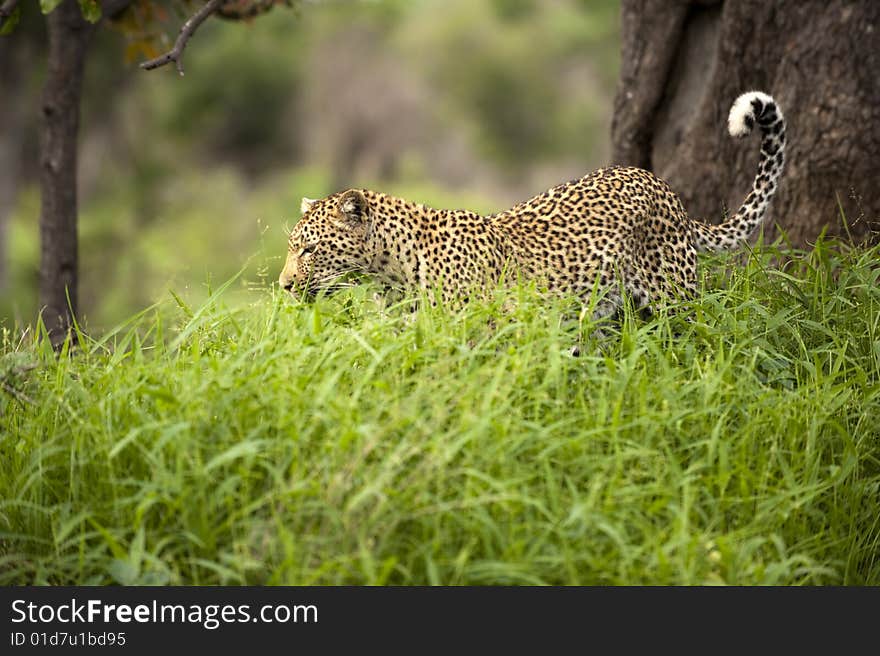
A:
308,249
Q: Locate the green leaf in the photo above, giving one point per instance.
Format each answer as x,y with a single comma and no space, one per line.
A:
91,10
48,5
10,23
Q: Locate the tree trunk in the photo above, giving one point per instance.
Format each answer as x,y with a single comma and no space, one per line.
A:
69,34
685,61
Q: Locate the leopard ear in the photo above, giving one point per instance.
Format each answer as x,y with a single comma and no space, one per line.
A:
305,204
352,208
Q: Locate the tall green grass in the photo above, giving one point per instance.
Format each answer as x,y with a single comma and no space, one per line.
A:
343,442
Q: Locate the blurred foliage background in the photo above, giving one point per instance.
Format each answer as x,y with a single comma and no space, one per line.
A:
184,181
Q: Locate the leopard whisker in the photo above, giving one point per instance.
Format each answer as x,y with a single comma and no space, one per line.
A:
335,276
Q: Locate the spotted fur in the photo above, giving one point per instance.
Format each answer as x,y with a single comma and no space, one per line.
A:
750,108
615,228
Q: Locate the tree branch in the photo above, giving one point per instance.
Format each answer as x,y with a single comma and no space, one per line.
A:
188,29
6,10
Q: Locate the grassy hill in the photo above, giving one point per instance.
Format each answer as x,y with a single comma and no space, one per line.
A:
269,442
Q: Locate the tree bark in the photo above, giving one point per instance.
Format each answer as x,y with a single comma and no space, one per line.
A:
69,35
685,61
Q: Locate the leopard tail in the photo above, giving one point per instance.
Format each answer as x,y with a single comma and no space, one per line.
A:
750,108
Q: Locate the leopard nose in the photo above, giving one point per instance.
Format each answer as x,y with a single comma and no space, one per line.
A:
285,282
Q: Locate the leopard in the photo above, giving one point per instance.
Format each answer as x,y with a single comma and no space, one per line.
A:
617,234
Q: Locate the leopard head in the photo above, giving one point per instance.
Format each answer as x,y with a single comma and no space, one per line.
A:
330,241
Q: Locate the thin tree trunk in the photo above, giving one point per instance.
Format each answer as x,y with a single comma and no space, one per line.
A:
69,36
684,62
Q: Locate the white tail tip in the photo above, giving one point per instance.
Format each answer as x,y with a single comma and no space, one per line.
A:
742,115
